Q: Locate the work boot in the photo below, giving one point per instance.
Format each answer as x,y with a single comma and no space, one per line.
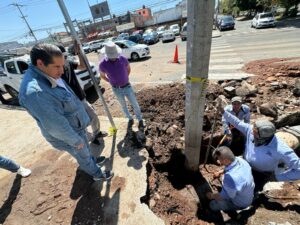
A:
106,176
24,172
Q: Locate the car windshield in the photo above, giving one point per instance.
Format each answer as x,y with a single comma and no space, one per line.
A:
266,15
227,19
160,29
130,43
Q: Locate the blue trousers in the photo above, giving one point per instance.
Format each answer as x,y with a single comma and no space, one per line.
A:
8,164
84,157
128,92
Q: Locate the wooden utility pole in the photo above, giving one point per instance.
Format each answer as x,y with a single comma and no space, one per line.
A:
199,29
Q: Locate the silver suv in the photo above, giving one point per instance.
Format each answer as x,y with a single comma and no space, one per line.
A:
265,19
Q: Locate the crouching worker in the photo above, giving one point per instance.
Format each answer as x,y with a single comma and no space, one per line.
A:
238,185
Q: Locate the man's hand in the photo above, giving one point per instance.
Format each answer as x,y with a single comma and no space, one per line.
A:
218,174
80,146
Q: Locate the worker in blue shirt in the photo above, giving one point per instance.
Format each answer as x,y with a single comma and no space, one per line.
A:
264,151
238,184
234,138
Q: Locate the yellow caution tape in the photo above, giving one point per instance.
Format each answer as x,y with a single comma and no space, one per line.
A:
196,79
112,130
203,83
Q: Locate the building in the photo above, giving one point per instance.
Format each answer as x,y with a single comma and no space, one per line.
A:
145,12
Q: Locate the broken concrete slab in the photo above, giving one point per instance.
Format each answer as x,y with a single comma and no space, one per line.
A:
283,193
268,109
289,119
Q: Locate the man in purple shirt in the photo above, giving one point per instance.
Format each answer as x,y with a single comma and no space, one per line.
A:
115,69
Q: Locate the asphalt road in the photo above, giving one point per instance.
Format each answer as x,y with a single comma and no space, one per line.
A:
229,52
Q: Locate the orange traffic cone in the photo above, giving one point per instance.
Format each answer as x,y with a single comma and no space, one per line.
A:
175,60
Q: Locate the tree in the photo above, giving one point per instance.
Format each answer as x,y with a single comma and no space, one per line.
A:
287,4
265,5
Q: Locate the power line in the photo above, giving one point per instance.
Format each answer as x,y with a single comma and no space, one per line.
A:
24,18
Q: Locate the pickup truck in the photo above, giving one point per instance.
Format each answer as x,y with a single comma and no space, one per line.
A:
14,69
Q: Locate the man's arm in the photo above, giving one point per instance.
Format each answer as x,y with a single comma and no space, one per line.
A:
238,124
104,76
128,69
247,115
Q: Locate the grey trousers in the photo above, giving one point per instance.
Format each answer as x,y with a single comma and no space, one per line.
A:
95,123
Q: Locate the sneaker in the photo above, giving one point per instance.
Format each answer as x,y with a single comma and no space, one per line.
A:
106,175
24,172
101,134
100,160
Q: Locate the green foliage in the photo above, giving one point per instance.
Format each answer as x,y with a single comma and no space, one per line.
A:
235,6
288,4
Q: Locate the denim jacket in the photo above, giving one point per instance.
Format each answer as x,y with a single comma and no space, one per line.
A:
58,112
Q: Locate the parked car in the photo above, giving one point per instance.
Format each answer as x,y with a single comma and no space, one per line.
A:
160,31
148,31
95,45
137,38
265,19
175,28
137,32
133,50
86,47
168,35
123,36
151,38
183,33
225,22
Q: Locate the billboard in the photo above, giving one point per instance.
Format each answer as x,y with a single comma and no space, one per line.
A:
100,10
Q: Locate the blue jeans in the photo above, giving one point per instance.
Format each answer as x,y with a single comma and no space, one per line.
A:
224,205
84,157
8,164
128,92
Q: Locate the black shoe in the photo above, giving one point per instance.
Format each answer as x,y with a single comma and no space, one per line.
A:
101,134
141,125
96,142
102,89
100,160
106,175
130,122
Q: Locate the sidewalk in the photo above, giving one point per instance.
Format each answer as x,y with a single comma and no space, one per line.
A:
120,199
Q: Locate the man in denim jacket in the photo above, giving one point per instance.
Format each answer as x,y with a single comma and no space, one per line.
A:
57,110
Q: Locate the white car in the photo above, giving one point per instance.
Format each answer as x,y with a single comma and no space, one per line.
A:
95,45
160,31
133,50
168,35
175,28
263,20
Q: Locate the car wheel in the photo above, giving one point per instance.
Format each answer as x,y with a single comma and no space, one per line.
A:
135,56
12,92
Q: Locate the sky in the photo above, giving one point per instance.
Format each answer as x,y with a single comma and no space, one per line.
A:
45,16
